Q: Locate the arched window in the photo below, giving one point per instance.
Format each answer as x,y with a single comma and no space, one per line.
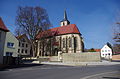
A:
63,42
75,42
60,42
70,42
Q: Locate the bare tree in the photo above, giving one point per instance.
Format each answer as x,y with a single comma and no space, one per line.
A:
46,42
31,20
116,37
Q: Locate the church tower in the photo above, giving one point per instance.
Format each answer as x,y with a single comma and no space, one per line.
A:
65,21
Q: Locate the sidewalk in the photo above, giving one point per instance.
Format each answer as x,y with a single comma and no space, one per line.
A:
81,63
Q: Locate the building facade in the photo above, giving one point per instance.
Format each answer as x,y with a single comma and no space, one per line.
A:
3,31
24,46
106,51
65,38
11,45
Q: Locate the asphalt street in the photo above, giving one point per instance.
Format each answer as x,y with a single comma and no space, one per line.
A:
61,72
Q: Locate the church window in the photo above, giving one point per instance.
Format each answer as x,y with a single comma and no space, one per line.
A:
63,42
75,42
60,42
70,42
40,44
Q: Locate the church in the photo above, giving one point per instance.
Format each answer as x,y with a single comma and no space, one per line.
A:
66,38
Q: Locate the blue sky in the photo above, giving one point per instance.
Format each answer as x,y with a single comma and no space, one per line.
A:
94,18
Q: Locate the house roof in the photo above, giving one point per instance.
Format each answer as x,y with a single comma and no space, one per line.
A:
109,45
23,36
97,50
68,29
2,25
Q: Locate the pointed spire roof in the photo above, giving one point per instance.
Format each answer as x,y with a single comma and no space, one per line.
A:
65,15
2,25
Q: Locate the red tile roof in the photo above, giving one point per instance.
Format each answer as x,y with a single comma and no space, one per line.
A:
71,28
21,36
97,50
2,25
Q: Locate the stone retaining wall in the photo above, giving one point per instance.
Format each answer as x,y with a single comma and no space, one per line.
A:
81,57
116,57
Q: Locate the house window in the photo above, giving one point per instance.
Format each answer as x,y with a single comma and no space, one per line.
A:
22,51
108,53
18,50
105,50
19,44
9,44
26,45
22,44
103,54
9,53
102,50
23,40
25,51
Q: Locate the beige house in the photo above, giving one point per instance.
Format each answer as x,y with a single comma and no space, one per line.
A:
66,39
24,48
3,31
11,45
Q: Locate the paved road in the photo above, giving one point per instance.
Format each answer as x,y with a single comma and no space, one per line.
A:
62,72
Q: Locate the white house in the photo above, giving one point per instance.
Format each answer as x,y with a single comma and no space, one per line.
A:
3,30
11,45
106,51
24,45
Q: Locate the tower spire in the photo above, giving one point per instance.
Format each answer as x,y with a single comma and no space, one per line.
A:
65,21
65,15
